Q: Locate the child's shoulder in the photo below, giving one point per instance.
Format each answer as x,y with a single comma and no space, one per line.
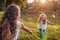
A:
19,22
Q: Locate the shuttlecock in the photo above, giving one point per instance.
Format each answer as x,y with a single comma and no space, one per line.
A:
53,16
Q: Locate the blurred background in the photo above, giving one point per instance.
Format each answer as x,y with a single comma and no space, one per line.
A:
30,11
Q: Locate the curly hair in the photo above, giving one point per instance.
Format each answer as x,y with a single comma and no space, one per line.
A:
8,23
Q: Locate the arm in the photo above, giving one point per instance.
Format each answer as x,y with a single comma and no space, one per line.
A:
22,26
50,22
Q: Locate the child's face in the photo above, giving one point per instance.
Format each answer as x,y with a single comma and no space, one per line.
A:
19,14
18,17
43,17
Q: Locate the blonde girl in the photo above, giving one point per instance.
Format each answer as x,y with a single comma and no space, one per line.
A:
42,23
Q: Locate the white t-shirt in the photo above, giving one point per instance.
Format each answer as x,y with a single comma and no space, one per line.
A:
42,26
17,29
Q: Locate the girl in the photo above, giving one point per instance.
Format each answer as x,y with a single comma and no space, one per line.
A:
42,22
10,24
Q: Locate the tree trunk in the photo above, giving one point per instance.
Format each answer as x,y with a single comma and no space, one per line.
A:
8,2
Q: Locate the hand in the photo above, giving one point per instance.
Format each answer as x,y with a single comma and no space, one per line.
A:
30,32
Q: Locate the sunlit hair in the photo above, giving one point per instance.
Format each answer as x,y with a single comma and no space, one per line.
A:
40,18
8,22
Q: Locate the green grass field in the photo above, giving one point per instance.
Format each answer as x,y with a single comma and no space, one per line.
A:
30,20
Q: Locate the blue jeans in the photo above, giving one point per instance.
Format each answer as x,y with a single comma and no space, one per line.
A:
41,33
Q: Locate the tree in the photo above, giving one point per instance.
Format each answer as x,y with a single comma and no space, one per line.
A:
2,4
8,2
21,3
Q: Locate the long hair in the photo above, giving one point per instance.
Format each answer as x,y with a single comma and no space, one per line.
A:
39,19
8,23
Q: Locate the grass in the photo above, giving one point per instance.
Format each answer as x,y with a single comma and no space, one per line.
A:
30,20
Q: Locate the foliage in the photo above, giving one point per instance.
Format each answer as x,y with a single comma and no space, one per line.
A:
30,20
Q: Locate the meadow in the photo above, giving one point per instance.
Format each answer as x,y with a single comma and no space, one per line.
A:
30,20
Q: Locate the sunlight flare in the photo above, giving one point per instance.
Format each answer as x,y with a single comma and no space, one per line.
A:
43,1
30,1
